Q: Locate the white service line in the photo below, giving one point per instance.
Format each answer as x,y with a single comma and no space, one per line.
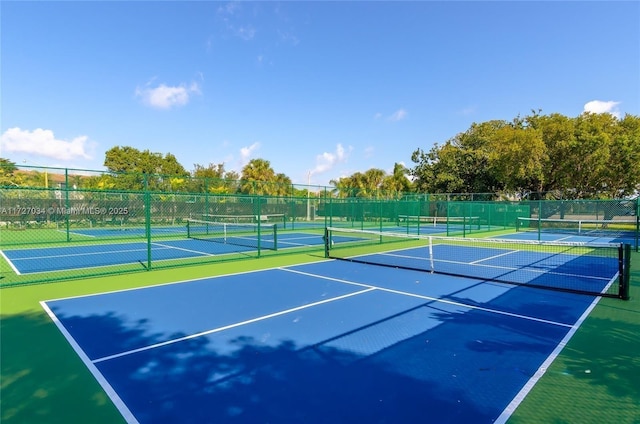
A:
227,327
183,249
495,256
435,299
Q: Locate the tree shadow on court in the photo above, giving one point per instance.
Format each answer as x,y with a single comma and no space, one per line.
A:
249,381
462,370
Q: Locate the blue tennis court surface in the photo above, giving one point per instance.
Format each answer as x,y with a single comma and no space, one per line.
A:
327,342
531,235
47,259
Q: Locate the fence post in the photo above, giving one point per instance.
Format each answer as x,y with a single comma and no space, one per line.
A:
258,211
638,223
66,202
147,219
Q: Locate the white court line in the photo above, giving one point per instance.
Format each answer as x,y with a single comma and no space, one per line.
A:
499,267
171,283
66,255
494,256
76,234
183,249
435,299
227,327
113,395
290,243
301,237
515,402
13,267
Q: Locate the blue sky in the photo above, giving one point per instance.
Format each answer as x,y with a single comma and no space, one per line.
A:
319,89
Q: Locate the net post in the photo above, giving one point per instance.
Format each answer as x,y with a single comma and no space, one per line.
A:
625,275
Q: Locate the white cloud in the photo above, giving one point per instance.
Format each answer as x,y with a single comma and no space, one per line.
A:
327,160
368,151
229,8
43,143
470,110
166,97
398,115
599,106
246,152
232,15
289,37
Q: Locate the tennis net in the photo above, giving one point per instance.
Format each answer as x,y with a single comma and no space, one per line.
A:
257,236
586,227
597,269
444,222
272,218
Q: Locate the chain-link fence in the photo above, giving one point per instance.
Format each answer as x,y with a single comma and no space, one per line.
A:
53,233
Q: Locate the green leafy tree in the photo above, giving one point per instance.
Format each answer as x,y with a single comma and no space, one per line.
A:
623,172
461,165
209,179
516,156
557,132
257,177
139,170
590,156
282,186
341,186
7,170
397,183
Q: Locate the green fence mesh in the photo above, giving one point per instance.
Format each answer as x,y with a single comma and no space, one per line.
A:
55,233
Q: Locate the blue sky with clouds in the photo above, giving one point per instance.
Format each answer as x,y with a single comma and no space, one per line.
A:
319,89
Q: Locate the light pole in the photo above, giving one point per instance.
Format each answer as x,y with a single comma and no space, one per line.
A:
46,177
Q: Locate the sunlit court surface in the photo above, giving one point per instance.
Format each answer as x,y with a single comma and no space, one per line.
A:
333,341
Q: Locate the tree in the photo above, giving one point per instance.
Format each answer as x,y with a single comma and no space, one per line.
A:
210,179
257,177
282,186
7,168
590,156
623,172
397,183
341,186
557,132
140,170
589,153
516,157
461,165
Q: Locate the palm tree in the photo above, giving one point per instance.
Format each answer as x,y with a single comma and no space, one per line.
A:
397,183
257,176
